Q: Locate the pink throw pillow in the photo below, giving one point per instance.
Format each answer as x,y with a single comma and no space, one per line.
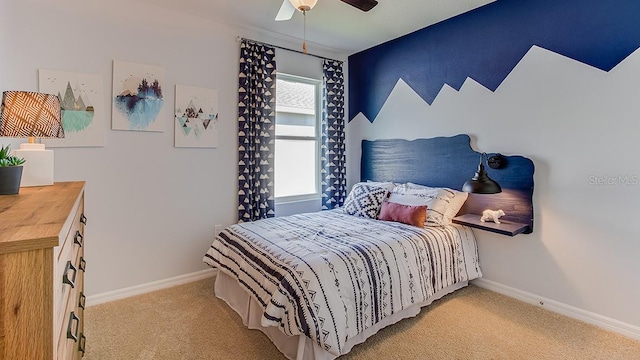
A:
407,214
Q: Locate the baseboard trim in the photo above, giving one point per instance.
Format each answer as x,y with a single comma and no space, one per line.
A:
149,287
604,322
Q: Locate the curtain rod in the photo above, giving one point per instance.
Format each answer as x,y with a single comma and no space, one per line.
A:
239,38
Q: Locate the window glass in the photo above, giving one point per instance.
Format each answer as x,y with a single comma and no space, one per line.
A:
295,168
297,137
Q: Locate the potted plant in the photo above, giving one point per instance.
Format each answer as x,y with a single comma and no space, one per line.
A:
10,171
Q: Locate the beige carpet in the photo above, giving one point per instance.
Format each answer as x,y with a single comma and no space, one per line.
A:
189,322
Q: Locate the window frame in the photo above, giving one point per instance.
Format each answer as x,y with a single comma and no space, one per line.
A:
317,83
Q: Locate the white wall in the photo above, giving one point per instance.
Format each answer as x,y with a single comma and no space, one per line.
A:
577,124
151,207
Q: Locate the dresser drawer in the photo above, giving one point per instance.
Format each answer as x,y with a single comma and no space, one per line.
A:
71,311
68,264
70,337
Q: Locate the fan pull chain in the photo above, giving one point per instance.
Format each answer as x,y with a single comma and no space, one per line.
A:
304,32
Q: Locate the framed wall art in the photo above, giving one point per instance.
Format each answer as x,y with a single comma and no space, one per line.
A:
196,117
82,102
137,96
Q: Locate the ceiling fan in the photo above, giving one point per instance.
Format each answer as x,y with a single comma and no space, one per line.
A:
289,7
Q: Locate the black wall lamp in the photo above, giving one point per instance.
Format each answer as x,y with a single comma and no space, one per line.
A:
481,183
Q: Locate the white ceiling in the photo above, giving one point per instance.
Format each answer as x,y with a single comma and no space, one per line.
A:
331,23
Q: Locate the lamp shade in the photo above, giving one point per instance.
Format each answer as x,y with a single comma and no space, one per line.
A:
481,183
305,5
30,114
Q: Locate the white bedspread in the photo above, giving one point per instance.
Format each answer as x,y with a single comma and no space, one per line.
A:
329,276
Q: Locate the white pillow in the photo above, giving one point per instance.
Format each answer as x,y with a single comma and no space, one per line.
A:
442,203
456,199
385,184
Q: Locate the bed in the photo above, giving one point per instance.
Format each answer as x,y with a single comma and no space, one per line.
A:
317,284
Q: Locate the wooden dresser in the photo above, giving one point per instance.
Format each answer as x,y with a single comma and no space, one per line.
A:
42,272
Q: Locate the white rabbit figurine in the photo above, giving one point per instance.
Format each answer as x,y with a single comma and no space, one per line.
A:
492,215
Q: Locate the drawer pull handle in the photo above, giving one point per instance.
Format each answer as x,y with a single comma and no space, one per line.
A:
65,276
82,344
82,300
70,333
75,238
83,219
83,264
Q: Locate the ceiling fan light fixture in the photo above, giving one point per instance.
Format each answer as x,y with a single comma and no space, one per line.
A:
303,5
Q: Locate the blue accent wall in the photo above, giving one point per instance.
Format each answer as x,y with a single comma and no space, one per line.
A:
485,44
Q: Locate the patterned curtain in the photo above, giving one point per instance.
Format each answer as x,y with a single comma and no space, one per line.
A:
334,176
256,131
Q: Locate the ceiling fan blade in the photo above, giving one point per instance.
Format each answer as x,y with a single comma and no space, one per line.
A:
286,11
364,5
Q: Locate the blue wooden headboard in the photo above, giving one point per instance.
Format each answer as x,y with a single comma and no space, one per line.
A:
449,162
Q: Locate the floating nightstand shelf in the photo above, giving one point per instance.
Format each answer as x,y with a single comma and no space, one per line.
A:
505,227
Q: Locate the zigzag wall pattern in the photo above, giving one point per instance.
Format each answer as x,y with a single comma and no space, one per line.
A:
485,44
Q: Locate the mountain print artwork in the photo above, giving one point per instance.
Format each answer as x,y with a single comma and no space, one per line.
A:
138,97
81,100
141,105
76,116
196,117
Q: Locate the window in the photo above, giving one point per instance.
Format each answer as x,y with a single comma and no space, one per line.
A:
297,162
